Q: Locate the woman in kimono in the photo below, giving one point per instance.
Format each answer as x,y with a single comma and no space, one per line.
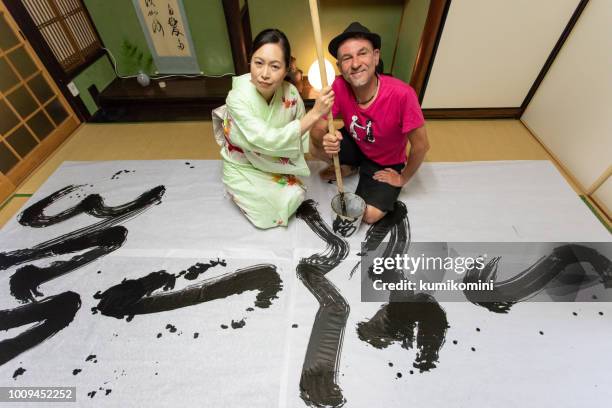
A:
266,133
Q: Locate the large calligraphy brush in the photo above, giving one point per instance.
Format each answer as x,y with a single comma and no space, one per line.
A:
316,27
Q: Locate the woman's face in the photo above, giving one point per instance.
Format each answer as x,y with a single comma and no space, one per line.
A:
268,69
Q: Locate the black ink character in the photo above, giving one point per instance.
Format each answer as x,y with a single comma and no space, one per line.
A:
408,319
173,22
319,380
156,27
535,278
344,227
87,244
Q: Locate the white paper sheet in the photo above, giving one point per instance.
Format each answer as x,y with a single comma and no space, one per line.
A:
259,365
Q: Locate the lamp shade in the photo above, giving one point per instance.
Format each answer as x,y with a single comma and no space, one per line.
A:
314,76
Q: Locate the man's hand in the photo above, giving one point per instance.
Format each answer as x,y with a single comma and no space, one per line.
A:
389,176
331,143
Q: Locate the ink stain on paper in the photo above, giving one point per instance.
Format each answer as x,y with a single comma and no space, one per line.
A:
18,372
238,324
117,174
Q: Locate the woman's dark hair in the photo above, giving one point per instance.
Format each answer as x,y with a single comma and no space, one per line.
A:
273,36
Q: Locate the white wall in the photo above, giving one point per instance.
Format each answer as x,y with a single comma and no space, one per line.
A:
571,113
491,51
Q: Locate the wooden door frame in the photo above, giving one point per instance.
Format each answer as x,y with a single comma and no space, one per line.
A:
430,39
238,28
29,32
16,175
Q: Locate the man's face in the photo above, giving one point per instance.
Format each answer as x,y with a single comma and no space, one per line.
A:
357,61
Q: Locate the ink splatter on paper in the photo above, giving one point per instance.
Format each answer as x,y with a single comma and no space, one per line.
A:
18,372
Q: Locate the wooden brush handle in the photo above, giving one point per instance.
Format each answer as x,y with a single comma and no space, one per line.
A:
316,27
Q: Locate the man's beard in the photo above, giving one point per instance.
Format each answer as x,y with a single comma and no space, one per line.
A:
358,82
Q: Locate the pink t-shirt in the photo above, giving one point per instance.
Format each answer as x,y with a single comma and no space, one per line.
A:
380,129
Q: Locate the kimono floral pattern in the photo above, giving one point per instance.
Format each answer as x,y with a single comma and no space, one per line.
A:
285,161
288,103
286,180
227,127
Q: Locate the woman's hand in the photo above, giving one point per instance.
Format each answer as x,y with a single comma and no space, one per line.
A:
321,108
331,143
324,101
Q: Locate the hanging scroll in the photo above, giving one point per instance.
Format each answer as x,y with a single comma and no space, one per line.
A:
165,26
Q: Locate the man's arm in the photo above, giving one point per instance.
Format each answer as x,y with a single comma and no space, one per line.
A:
419,145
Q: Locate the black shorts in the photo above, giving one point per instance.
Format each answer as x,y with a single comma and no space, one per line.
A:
375,193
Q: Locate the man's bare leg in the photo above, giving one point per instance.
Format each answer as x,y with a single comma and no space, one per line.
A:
316,150
372,214
328,173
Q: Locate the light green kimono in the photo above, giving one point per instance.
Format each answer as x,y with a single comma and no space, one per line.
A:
263,152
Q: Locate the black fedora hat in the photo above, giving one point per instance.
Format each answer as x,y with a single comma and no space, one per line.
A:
353,30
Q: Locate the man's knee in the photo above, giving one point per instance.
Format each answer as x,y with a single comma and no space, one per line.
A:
316,135
317,151
372,215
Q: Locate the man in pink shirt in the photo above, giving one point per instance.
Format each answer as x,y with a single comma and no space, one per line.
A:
381,114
